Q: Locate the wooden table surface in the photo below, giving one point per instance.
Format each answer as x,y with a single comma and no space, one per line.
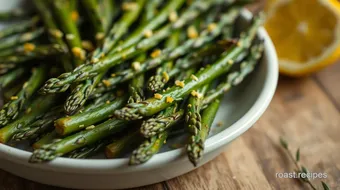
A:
304,111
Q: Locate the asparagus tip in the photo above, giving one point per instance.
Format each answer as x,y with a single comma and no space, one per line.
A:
42,155
128,114
156,83
53,86
195,151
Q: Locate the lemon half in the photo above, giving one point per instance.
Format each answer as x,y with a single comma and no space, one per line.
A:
306,34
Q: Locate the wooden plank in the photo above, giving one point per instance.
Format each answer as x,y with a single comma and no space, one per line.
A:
303,114
328,79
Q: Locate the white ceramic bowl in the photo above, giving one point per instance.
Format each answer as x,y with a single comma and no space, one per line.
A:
240,109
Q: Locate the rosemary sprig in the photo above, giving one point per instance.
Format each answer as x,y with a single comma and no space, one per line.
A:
300,168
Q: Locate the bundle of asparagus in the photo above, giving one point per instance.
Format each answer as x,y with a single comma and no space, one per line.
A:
173,56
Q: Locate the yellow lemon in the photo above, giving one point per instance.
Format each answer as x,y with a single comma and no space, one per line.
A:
306,34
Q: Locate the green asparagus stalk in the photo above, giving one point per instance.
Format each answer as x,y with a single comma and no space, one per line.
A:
39,106
21,27
146,29
236,77
55,35
154,105
120,145
11,77
84,138
47,139
148,148
131,12
81,93
161,122
31,51
11,110
6,67
12,91
17,13
40,126
193,116
92,10
84,72
171,54
70,29
136,86
68,125
195,147
101,100
158,81
108,11
88,151
20,38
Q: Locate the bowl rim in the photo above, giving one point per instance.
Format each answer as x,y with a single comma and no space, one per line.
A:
87,166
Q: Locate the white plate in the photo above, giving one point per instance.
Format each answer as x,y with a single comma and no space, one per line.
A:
240,109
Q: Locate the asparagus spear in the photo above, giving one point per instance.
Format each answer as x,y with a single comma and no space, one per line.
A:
20,38
157,82
11,110
68,125
161,122
195,147
69,27
6,67
47,139
171,54
19,27
101,100
120,145
148,148
131,12
84,72
37,108
88,151
136,86
55,35
81,93
31,51
193,116
17,13
236,77
151,106
40,126
11,77
87,137
92,10
108,11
